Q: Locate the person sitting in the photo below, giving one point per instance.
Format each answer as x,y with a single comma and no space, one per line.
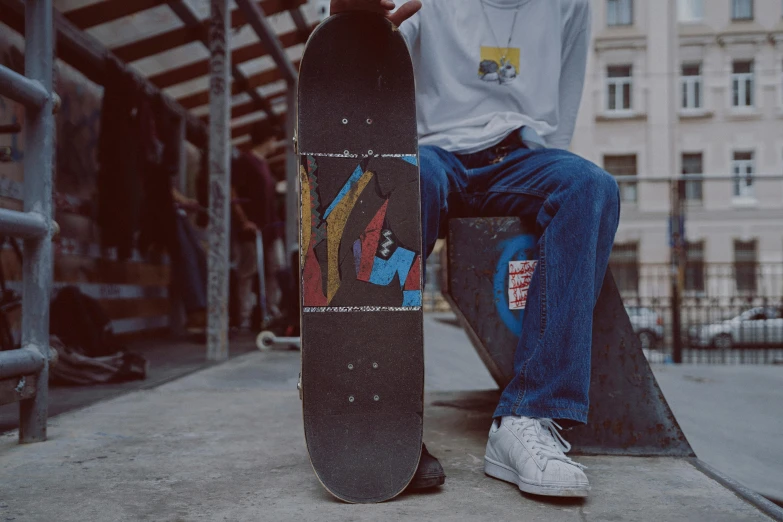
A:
498,88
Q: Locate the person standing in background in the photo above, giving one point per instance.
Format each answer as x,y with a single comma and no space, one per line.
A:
253,211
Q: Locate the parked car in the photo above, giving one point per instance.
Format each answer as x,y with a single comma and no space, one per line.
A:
759,327
647,325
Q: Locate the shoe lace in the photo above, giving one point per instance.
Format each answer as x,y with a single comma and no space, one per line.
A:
545,440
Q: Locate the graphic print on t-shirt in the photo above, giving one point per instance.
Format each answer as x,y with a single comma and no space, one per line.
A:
499,64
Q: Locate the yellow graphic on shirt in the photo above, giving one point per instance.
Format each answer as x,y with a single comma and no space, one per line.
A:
499,64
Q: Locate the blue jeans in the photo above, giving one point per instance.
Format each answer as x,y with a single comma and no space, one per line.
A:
576,208
190,267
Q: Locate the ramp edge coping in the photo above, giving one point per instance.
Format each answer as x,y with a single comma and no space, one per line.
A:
764,505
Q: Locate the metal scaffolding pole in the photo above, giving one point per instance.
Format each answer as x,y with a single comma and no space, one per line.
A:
22,89
22,224
37,266
219,180
24,361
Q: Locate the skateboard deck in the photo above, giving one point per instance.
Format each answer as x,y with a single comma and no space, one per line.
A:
362,342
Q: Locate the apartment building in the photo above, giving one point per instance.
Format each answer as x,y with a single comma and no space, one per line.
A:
690,87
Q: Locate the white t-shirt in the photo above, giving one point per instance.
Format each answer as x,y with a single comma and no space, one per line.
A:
473,87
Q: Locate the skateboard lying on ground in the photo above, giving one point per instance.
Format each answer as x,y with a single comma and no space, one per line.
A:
362,342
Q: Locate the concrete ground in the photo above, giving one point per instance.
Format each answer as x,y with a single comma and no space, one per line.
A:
733,418
731,414
169,359
226,444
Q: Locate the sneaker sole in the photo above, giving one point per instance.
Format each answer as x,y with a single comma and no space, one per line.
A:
506,474
427,482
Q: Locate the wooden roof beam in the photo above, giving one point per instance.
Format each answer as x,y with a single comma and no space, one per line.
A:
244,129
200,98
239,55
189,18
276,159
108,11
87,55
256,17
184,35
248,107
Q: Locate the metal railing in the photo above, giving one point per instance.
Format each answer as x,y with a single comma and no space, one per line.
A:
728,314
24,372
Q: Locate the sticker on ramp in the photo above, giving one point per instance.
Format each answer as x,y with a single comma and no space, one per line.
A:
520,273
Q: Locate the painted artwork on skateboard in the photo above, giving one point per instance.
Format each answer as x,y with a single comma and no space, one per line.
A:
361,247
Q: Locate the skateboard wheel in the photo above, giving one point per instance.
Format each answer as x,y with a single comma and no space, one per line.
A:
369,121
265,341
345,121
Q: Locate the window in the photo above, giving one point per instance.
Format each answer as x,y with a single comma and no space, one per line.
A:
742,84
745,265
742,172
691,86
619,81
624,261
623,165
694,266
690,11
692,166
742,9
619,12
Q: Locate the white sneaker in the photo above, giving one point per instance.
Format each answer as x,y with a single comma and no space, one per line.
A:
531,454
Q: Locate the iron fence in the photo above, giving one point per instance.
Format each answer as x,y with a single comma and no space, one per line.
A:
724,318
730,313
699,261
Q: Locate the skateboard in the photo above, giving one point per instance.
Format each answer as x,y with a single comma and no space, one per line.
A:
360,257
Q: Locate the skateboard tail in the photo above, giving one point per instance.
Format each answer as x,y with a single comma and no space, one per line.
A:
363,401
359,479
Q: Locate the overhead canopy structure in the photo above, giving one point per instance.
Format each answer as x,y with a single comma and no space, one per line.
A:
164,42
180,49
